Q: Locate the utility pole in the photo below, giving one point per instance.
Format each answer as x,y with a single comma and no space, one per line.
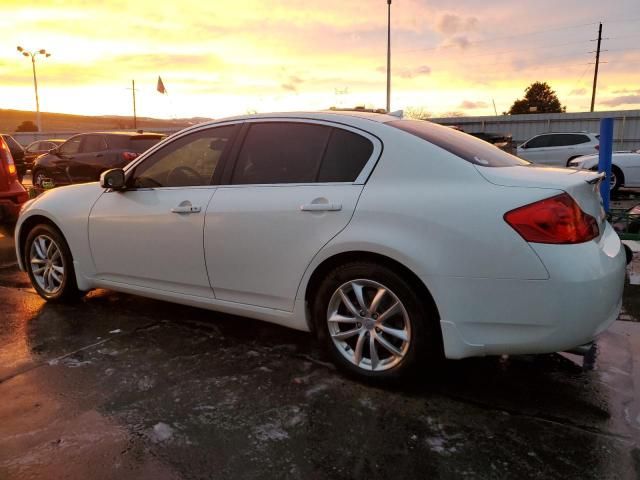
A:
595,74
133,91
388,55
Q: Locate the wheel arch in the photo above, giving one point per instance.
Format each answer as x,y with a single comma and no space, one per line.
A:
329,263
25,227
621,172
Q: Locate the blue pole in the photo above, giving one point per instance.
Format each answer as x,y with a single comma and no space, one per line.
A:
604,159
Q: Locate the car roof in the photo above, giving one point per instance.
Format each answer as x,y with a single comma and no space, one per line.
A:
130,134
327,115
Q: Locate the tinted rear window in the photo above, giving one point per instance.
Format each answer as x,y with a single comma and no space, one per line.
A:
564,139
465,146
346,155
281,152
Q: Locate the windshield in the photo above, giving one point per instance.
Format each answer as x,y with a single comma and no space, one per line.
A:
13,145
460,144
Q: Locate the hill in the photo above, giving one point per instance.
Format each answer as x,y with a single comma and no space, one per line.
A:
62,122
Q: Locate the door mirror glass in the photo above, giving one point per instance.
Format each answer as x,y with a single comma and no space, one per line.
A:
113,178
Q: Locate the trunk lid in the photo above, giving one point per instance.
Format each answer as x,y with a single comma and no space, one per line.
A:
582,185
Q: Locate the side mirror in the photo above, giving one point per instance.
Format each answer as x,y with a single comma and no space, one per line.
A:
113,178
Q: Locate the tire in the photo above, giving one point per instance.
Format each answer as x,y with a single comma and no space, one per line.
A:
617,178
415,337
50,265
35,180
572,158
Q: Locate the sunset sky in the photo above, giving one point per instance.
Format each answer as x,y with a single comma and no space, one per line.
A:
221,57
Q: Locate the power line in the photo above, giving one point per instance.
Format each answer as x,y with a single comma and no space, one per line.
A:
491,39
520,50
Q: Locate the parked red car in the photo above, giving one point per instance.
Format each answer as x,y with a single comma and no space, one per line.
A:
12,193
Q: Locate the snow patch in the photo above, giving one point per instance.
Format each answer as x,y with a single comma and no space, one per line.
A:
161,432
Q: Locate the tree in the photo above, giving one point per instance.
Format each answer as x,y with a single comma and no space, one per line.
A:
538,98
417,113
27,126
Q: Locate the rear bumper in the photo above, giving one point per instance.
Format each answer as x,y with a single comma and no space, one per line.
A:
581,298
9,209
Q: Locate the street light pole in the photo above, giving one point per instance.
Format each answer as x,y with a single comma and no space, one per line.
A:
388,55
26,53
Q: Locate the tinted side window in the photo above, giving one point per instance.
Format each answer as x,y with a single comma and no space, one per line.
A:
188,161
141,144
345,156
540,142
281,152
564,139
94,143
71,146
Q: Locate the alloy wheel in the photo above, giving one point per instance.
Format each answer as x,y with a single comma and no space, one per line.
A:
369,325
46,264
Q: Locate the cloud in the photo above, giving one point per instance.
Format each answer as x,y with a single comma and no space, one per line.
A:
469,105
461,41
578,92
292,83
450,24
626,91
622,100
412,72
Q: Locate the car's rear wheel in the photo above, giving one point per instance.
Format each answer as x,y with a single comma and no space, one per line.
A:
38,178
376,326
50,264
617,179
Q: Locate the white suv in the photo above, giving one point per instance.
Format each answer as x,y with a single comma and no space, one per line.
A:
558,149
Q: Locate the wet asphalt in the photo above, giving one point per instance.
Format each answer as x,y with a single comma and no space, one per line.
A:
121,387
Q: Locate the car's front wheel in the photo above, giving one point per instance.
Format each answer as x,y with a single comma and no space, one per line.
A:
375,323
50,264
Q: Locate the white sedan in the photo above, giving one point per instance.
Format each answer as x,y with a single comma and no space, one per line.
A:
625,168
395,241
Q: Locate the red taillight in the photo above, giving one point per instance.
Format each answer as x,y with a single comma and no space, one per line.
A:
557,219
7,160
128,156
598,147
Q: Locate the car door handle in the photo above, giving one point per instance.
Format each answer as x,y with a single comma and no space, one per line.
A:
185,209
321,207
98,155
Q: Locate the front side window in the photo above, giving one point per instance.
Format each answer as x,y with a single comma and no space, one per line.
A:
187,161
281,152
71,146
34,147
539,142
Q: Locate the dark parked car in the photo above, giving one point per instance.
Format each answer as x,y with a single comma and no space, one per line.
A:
39,147
17,152
12,193
84,157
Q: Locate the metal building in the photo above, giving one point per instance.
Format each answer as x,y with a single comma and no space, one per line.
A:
626,133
